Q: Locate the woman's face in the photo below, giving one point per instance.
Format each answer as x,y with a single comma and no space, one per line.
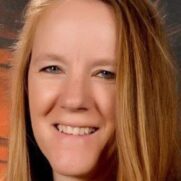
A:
71,85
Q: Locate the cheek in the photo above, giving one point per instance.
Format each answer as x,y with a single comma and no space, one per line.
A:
42,95
106,98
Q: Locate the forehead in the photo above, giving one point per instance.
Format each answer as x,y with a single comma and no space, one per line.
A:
79,25
80,10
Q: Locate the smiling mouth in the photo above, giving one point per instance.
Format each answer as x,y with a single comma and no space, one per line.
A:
77,131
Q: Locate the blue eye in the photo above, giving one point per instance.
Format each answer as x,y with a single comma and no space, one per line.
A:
51,69
107,74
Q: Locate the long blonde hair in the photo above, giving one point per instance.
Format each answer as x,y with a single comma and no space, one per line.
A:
146,134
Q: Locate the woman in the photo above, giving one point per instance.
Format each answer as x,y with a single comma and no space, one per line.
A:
94,94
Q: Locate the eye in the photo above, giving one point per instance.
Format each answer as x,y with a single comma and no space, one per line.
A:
54,69
106,74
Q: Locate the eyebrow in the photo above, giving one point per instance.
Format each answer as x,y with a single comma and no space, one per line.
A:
59,58
49,57
104,62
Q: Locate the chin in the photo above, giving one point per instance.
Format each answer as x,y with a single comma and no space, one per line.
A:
82,167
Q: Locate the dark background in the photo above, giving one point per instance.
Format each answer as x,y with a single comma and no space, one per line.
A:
10,23
173,20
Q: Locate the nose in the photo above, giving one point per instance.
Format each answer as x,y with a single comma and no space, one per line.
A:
75,96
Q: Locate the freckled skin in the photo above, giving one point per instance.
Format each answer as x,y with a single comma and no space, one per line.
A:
81,34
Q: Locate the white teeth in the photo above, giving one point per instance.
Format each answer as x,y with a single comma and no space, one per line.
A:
82,131
86,130
60,128
75,130
69,130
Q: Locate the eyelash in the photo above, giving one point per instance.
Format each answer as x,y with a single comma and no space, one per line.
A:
56,70
110,75
51,69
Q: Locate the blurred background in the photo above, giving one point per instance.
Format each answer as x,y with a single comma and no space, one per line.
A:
11,21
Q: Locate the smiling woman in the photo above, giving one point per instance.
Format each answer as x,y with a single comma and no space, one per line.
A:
72,77
94,94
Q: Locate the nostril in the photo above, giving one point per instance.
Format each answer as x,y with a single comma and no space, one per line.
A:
75,108
82,109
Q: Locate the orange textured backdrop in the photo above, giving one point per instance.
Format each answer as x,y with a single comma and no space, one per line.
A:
4,107
10,23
